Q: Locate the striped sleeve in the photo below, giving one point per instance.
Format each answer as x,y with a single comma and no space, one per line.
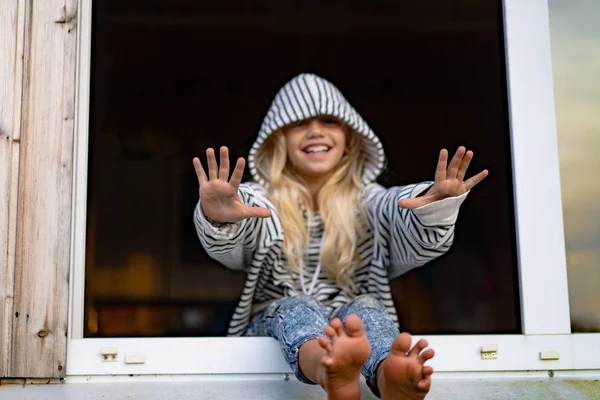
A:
233,245
411,238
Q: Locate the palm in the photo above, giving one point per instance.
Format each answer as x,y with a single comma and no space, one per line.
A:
449,187
221,201
219,195
449,179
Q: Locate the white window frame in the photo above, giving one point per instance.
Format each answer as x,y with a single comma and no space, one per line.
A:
539,227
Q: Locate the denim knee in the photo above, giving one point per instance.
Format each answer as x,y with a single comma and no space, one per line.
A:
291,304
358,304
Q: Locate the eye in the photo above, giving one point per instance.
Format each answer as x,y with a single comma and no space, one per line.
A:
329,120
298,123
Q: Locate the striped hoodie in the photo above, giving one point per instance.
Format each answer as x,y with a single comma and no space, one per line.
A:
398,240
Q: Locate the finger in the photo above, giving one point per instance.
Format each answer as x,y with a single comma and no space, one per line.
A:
440,171
464,165
238,173
418,348
199,171
452,171
475,180
411,203
224,164
212,164
256,212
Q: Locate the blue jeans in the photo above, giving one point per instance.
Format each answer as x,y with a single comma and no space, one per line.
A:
295,320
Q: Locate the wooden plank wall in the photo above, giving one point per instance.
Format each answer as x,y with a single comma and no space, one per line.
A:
12,20
37,95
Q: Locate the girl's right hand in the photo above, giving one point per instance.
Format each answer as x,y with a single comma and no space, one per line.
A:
219,196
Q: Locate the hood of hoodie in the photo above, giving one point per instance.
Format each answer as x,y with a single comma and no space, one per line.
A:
307,96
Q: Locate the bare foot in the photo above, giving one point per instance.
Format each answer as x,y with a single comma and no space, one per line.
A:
402,375
346,354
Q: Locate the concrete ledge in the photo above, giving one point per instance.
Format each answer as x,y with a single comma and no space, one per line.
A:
446,389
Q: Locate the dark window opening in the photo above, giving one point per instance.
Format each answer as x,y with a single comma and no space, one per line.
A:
171,78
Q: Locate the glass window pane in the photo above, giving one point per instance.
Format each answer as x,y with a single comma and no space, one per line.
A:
575,35
171,78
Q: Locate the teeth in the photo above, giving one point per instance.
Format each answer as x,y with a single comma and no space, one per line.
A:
317,149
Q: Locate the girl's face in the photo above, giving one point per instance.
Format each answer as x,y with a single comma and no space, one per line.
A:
315,146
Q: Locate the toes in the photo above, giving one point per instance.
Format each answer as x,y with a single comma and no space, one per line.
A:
401,344
421,344
427,355
326,361
331,332
424,384
338,326
354,325
325,344
427,371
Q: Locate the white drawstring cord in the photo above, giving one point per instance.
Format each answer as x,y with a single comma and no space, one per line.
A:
314,279
317,271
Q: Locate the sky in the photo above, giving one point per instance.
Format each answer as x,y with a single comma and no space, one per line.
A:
575,38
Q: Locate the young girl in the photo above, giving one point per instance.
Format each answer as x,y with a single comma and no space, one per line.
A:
320,240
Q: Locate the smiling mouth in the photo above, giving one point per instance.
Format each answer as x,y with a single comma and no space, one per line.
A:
316,149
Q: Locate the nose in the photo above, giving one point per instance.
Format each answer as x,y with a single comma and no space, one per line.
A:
315,128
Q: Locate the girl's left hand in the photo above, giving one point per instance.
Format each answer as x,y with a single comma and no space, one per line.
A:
448,180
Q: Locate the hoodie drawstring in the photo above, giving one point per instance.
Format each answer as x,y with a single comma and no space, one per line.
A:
315,277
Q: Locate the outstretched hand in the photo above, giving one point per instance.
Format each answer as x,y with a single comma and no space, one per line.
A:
219,196
448,179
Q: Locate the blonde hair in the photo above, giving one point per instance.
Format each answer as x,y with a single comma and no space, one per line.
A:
339,204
